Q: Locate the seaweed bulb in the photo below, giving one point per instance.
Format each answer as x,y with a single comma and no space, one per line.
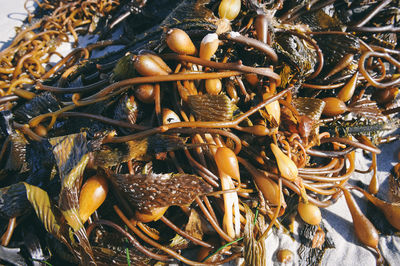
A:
287,168
390,210
213,86
365,231
334,106
169,116
208,46
229,9
151,65
93,194
309,213
179,42
145,93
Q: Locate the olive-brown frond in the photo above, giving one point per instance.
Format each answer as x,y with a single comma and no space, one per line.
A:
148,191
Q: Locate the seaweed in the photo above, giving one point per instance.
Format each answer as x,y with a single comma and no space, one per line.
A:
307,254
301,58
41,104
146,191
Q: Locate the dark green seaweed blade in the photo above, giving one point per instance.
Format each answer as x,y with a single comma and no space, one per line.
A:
106,256
319,21
333,46
40,161
71,156
109,248
124,68
15,142
394,184
292,48
194,11
6,120
163,143
17,199
41,104
141,149
17,155
13,201
309,256
34,245
115,153
50,216
41,204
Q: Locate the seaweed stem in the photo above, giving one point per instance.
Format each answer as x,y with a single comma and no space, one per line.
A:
238,66
157,245
88,88
204,124
317,49
156,79
131,239
355,144
104,119
289,184
259,45
213,222
12,224
372,13
276,214
372,81
184,234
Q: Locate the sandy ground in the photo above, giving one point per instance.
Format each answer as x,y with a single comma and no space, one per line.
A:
12,14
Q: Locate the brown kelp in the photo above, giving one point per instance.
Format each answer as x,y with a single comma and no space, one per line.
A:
214,123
